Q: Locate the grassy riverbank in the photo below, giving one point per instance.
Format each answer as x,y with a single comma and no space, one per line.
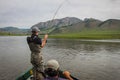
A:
92,34
85,34
12,34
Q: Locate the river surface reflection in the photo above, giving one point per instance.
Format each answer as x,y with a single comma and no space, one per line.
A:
85,59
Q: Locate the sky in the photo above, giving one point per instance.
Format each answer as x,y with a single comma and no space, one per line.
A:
26,13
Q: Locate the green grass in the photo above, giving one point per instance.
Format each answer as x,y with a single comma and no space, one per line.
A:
90,34
11,34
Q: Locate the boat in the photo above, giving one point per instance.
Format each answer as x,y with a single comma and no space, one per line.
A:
27,75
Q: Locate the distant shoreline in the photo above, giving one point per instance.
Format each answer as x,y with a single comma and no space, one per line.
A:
75,37
13,34
84,37
106,34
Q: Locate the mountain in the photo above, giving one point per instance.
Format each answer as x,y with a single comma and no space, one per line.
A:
57,23
72,24
15,30
87,23
110,24
91,22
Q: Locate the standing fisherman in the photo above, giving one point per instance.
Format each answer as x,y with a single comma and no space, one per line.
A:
35,44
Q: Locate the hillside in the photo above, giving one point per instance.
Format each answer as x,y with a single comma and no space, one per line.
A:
87,23
13,30
110,24
65,27
73,25
50,25
89,28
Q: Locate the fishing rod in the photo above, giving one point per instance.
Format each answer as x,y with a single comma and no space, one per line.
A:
59,7
57,10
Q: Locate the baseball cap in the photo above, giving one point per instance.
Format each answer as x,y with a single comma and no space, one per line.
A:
52,64
35,29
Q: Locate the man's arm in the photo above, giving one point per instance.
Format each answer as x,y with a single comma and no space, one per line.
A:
44,40
67,75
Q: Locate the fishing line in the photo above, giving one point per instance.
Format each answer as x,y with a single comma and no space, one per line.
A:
59,7
52,20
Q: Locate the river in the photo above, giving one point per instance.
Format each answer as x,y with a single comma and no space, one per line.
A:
85,59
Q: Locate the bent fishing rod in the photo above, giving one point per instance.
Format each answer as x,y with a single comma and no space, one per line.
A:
56,12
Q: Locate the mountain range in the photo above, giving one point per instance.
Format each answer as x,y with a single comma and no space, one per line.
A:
68,25
57,22
72,24
14,30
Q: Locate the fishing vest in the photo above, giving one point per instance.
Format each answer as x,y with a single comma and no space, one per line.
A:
34,43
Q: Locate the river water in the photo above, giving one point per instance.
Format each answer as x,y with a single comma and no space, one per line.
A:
85,59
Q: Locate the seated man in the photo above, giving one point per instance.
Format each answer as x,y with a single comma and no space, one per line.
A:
53,72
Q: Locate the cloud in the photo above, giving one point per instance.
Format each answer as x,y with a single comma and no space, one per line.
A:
21,13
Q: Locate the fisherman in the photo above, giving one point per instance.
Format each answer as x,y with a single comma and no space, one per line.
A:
53,72
35,44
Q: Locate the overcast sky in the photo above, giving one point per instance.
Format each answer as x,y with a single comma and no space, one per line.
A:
25,13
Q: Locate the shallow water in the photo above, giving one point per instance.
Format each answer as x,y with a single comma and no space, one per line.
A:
85,59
